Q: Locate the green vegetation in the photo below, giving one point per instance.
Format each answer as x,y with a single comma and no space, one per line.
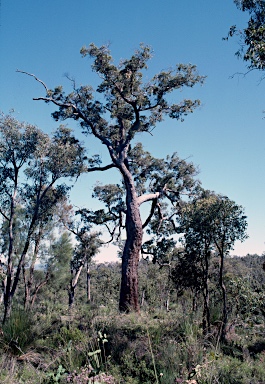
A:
252,36
164,343
188,312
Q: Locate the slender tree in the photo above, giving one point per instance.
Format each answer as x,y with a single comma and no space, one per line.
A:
41,253
62,251
212,223
195,222
130,107
31,165
87,247
229,225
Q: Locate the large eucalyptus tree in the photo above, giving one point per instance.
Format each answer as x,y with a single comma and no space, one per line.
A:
130,106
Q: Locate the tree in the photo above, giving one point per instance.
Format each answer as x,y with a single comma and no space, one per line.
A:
31,165
195,222
130,107
31,286
87,247
211,223
46,256
252,38
62,251
229,224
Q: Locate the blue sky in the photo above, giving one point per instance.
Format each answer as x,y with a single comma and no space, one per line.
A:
225,137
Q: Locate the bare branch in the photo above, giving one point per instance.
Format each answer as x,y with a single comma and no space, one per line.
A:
105,168
244,74
4,215
35,77
111,232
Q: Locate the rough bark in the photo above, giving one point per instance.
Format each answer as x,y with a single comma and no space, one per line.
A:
130,259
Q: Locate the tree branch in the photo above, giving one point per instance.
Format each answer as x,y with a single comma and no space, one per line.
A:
105,168
35,77
152,211
4,215
150,196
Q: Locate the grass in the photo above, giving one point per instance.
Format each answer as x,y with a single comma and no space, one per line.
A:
157,347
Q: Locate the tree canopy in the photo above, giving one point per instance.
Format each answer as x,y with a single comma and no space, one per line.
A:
252,38
32,169
122,107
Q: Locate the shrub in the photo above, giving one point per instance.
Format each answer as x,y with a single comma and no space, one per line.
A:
18,332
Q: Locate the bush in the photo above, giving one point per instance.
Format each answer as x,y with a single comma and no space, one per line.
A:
18,332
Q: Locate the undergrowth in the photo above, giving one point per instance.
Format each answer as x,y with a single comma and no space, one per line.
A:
144,348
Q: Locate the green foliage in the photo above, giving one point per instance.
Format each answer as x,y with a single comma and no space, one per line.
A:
68,334
59,263
122,107
248,302
55,377
158,346
252,37
32,166
105,278
18,332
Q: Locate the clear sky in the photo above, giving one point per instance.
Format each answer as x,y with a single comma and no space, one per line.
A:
225,137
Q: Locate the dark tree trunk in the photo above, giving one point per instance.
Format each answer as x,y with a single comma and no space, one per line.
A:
28,281
223,289
8,283
88,285
206,309
129,300
12,281
71,296
73,285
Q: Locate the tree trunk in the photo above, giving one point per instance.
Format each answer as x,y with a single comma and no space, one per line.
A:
8,283
28,281
88,285
167,301
206,310
73,284
130,258
143,298
71,296
223,289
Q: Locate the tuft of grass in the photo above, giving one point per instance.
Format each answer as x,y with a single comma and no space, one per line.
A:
18,332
